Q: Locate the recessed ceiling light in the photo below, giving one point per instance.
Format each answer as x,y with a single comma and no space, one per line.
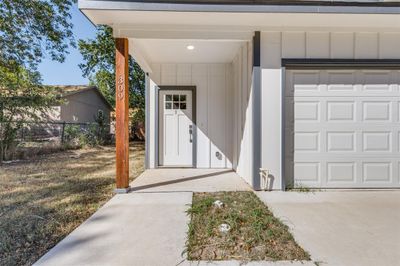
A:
190,47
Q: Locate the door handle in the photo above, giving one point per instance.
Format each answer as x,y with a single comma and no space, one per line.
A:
190,133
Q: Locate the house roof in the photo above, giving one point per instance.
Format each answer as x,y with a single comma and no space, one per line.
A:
249,6
68,90
269,2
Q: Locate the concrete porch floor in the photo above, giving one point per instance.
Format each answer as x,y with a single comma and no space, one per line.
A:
189,179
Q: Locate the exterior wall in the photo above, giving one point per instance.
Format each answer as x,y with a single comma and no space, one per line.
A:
152,127
327,45
242,86
224,110
83,107
214,109
51,114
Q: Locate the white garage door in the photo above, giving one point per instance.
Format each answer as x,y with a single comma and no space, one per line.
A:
342,128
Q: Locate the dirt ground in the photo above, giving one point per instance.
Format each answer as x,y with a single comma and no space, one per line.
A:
44,199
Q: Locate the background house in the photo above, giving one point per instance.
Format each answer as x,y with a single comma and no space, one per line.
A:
81,104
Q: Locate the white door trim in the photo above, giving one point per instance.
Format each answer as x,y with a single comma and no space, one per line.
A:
159,149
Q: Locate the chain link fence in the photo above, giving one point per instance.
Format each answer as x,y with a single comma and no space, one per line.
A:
56,131
35,138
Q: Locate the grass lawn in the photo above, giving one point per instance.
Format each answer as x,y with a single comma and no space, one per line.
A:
255,233
43,200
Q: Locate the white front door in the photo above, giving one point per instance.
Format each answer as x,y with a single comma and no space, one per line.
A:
175,128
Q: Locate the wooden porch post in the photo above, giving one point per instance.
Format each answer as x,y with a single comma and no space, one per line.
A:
122,115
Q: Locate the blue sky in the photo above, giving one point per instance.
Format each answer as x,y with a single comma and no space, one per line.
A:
68,73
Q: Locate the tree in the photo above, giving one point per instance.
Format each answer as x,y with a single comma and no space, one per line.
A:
99,67
29,31
22,100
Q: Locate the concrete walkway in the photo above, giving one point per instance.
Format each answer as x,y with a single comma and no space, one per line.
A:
131,229
145,227
347,228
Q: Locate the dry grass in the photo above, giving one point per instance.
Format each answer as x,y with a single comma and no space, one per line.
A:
255,233
43,200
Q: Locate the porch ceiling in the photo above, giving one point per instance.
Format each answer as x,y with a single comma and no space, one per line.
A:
176,51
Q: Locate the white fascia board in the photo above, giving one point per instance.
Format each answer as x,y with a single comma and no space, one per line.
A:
142,6
191,33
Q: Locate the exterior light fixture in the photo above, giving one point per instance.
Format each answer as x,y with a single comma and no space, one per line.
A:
190,47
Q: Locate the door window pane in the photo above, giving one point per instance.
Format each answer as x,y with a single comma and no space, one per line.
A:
175,101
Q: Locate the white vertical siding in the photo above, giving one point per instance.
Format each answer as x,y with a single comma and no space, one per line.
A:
183,74
389,45
224,117
302,44
293,51
356,45
318,45
242,144
342,45
213,112
169,74
366,45
199,77
229,115
216,115
151,116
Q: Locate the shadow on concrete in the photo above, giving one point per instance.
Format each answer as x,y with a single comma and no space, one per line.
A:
180,180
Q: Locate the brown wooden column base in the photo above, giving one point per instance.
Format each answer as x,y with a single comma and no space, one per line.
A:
122,190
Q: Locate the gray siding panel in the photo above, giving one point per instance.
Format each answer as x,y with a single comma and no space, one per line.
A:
83,107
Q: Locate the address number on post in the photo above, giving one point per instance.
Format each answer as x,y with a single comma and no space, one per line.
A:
120,88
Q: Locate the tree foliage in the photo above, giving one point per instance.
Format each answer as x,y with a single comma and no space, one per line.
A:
24,99
29,31
99,67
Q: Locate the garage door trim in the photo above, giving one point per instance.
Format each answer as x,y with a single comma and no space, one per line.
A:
317,64
295,63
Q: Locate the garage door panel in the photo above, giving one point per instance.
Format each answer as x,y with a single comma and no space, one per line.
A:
341,172
343,131
307,141
342,83
377,141
340,110
303,82
308,171
341,141
378,172
307,110
329,109
377,110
